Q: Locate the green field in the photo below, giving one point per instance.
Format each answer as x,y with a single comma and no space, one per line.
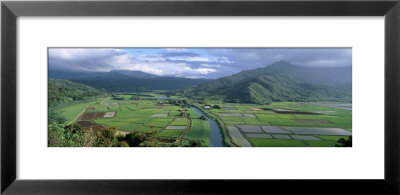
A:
198,131
72,112
171,133
277,143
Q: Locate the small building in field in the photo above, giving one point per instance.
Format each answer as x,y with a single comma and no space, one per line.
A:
207,107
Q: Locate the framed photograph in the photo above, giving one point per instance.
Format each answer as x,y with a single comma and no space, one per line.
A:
136,97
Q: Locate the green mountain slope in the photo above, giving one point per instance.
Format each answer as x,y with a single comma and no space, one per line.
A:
60,90
339,77
270,84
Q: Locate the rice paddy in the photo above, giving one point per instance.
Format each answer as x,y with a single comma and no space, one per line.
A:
250,128
273,129
318,131
238,137
259,135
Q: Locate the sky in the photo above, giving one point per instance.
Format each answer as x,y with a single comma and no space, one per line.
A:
208,63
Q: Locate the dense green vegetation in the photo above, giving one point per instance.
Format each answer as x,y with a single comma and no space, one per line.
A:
61,91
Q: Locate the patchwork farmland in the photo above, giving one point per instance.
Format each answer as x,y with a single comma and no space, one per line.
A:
285,124
240,125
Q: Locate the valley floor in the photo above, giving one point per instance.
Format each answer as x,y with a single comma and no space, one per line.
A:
286,124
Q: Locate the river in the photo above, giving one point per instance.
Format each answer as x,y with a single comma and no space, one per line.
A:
215,131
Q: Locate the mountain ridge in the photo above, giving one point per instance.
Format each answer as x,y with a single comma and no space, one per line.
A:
277,82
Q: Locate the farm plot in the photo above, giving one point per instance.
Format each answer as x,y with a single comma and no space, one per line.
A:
258,142
237,115
253,121
344,106
311,121
274,129
171,133
159,122
109,114
259,135
176,127
231,114
88,125
249,115
180,122
251,128
108,103
318,131
160,115
281,136
238,137
232,120
91,115
229,108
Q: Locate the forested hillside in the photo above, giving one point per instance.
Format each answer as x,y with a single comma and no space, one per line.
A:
60,90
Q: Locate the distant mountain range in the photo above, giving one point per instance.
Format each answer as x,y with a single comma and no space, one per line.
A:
126,81
281,81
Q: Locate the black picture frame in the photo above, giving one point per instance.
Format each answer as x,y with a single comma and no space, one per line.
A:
11,10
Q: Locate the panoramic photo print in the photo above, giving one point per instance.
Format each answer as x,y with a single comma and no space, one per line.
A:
199,97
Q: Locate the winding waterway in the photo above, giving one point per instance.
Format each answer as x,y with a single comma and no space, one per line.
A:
215,131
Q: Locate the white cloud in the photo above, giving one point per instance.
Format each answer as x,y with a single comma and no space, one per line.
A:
120,59
204,70
197,59
146,68
224,60
79,54
151,58
211,65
